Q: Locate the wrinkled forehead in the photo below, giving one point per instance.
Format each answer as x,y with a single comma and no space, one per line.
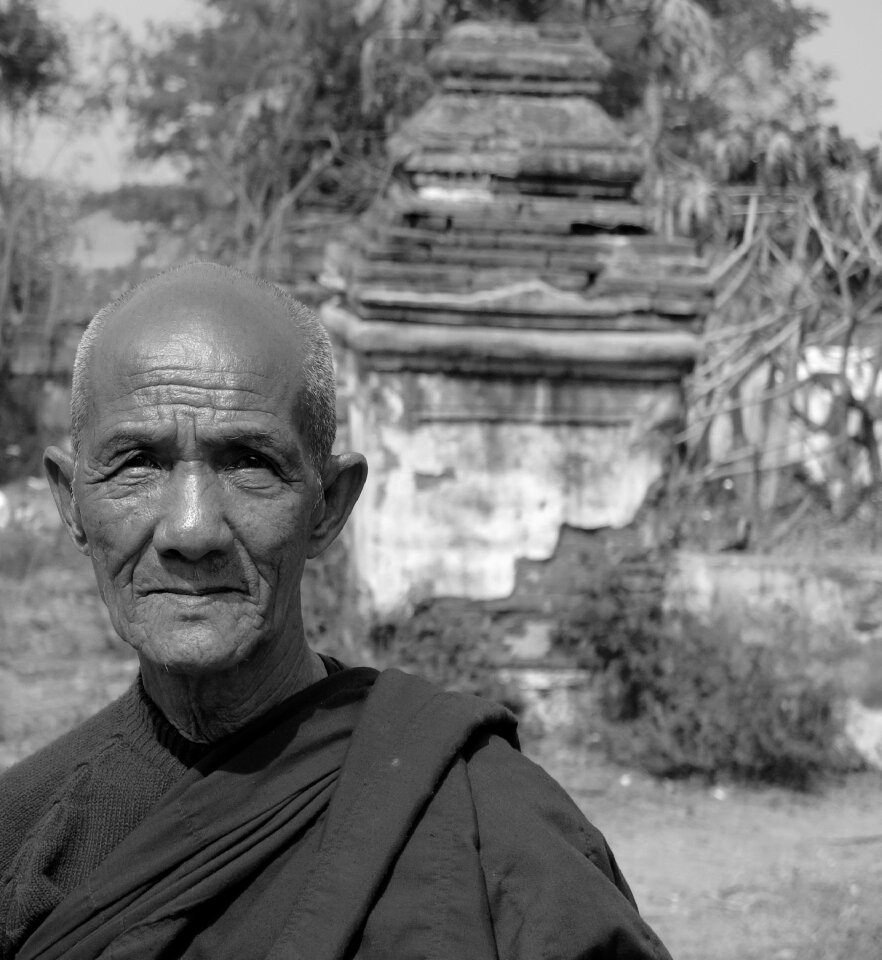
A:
230,330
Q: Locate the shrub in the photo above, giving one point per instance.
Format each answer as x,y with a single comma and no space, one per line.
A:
451,643
693,699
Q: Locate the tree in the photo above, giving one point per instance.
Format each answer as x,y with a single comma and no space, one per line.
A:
712,81
743,156
33,57
260,107
33,64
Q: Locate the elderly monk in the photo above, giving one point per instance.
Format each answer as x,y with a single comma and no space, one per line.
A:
247,797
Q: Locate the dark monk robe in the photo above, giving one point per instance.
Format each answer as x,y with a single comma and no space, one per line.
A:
368,816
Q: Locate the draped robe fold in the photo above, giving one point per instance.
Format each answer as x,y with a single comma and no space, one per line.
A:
351,822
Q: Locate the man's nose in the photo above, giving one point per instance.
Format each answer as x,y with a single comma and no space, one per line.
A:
192,523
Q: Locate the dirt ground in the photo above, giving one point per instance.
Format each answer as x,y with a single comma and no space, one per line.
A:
721,873
729,873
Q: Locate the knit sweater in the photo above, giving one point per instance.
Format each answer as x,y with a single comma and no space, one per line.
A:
63,809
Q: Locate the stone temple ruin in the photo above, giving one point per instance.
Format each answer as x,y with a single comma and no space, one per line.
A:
511,334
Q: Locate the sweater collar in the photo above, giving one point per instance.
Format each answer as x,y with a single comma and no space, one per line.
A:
153,733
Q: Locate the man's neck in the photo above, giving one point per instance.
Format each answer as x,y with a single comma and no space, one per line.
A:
209,707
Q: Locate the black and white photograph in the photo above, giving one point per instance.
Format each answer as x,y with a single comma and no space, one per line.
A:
440,480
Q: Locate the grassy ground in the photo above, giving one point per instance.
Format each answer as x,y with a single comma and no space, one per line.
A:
723,874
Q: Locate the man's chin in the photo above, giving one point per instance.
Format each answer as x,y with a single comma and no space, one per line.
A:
193,652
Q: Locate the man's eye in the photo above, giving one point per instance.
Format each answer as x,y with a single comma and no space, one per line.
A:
250,461
139,461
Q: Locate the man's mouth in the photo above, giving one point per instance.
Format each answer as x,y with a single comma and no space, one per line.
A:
194,591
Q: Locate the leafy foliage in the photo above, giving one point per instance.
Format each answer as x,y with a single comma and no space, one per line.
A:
696,700
719,94
450,643
775,26
33,55
260,106
33,63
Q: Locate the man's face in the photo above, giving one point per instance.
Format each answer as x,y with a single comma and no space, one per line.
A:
194,486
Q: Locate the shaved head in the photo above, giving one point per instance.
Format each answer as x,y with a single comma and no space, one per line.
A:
203,482
254,313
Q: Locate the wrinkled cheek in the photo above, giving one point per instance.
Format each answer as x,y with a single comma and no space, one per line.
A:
101,578
132,623
112,574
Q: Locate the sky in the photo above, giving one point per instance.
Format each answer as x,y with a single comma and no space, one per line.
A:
98,159
850,43
131,13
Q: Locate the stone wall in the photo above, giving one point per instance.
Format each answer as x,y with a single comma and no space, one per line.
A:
472,474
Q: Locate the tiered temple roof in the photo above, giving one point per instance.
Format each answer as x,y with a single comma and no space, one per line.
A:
514,206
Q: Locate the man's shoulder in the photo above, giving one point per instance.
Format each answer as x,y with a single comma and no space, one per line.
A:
418,695
540,857
508,786
403,708
489,746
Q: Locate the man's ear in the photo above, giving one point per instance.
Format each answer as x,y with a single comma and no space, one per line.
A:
59,467
342,481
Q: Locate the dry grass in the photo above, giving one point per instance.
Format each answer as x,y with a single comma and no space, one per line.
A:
736,873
